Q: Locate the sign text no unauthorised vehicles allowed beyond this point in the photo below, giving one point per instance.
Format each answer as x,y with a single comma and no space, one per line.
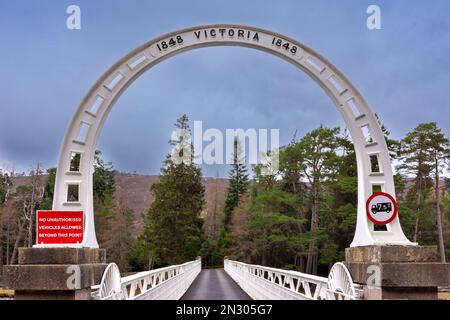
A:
381,208
59,227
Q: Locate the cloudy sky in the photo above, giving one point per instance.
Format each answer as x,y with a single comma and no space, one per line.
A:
46,69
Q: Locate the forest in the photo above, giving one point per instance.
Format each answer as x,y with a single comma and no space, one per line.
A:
300,218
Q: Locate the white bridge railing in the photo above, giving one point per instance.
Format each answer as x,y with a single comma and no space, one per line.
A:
169,283
264,283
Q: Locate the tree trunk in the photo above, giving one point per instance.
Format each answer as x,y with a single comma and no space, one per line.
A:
30,230
438,213
16,243
30,224
7,242
311,264
1,255
264,252
314,261
302,264
295,261
264,258
419,197
36,197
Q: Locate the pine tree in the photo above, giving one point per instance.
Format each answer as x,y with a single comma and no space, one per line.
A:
339,206
173,232
103,178
275,229
120,230
417,161
47,201
318,162
238,182
440,153
104,186
3,187
242,248
237,187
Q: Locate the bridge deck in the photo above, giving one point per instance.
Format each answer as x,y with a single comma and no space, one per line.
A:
214,284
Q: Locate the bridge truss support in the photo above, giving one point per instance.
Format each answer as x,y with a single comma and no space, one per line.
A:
55,273
398,272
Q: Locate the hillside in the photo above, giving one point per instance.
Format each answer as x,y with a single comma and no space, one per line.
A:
133,190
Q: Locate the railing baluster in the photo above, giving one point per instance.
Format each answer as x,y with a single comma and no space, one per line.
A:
154,284
269,283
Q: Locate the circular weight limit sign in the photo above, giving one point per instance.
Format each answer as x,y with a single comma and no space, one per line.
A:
381,208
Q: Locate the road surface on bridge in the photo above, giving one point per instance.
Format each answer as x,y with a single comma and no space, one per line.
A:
214,284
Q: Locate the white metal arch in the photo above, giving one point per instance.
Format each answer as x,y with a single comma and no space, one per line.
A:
83,131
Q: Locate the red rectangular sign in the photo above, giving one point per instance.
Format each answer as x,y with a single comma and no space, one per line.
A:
59,227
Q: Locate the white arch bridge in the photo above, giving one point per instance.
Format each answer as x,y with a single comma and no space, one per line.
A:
74,182
237,281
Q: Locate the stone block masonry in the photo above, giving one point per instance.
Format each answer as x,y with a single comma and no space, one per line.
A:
55,273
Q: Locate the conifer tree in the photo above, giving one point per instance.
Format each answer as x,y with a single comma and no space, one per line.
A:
104,186
318,162
47,201
237,187
120,231
238,182
425,153
4,178
173,232
417,162
440,155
